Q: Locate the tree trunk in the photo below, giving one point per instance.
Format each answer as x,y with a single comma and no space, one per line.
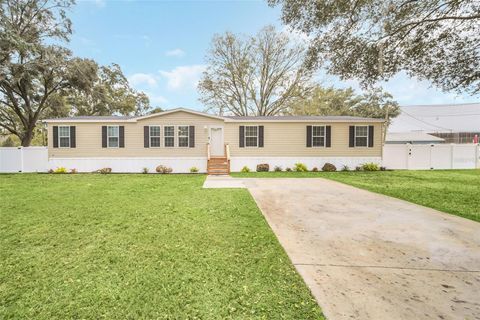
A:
27,137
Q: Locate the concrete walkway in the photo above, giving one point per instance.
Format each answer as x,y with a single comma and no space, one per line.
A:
221,181
368,256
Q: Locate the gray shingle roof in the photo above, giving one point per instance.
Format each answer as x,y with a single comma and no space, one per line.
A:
94,118
231,118
411,136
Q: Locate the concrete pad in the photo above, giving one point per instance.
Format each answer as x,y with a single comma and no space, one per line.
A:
369,256
222,181
393,293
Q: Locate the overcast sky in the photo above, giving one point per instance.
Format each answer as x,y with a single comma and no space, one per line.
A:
161,46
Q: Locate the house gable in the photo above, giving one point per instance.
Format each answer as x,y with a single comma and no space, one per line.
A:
179,110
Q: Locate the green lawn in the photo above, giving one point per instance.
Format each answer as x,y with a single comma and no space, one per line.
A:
91,246
453,191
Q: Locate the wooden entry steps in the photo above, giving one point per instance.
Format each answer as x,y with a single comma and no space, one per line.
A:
218,166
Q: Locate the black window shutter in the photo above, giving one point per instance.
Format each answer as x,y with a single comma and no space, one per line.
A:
309,136
146,136
104,136
241,136
55,136
73,137
191,136
328,136
370,136
352,137
121,136
260,136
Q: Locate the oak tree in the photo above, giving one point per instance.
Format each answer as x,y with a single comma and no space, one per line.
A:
373,40
254,75
109,93
39,78
374,103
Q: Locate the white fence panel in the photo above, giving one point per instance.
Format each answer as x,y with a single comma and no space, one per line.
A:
441,156
10,160
464,156
419,157
395,156
35,159
411,157
29,159
435,156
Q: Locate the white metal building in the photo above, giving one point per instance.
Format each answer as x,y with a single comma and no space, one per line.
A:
455,123
414,137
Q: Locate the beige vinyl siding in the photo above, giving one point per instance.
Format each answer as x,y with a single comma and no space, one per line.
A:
281,139
89,138
288,139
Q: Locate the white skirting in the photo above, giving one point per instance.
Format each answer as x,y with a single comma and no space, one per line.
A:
183,164
130,165
237,163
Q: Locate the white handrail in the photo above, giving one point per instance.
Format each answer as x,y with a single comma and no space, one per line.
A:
208,151
227,151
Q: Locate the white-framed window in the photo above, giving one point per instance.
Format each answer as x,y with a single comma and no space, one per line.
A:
318,136
154,136
169,136
64,136
183,136
251,136
361,136
112,136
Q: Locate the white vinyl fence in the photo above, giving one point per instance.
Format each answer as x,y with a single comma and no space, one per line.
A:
431,156
395,156
20,159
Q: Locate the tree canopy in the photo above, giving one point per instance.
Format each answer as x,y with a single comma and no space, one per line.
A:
40,78
254,75
374,103
372,40
109,93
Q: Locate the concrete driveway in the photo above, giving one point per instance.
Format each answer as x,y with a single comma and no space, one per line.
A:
368,256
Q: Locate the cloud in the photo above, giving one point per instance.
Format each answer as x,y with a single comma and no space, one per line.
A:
148,84
100,3
156,100
404,89
140,79
183,77
176,83
175,53
295,35
410,91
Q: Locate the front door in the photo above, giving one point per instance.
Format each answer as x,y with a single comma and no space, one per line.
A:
216,141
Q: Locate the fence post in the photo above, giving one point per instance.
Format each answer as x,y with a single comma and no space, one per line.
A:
477,155
430,157
21,158
452,152
408,154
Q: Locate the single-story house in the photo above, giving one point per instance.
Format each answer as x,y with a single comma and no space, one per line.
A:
413,137
183,138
